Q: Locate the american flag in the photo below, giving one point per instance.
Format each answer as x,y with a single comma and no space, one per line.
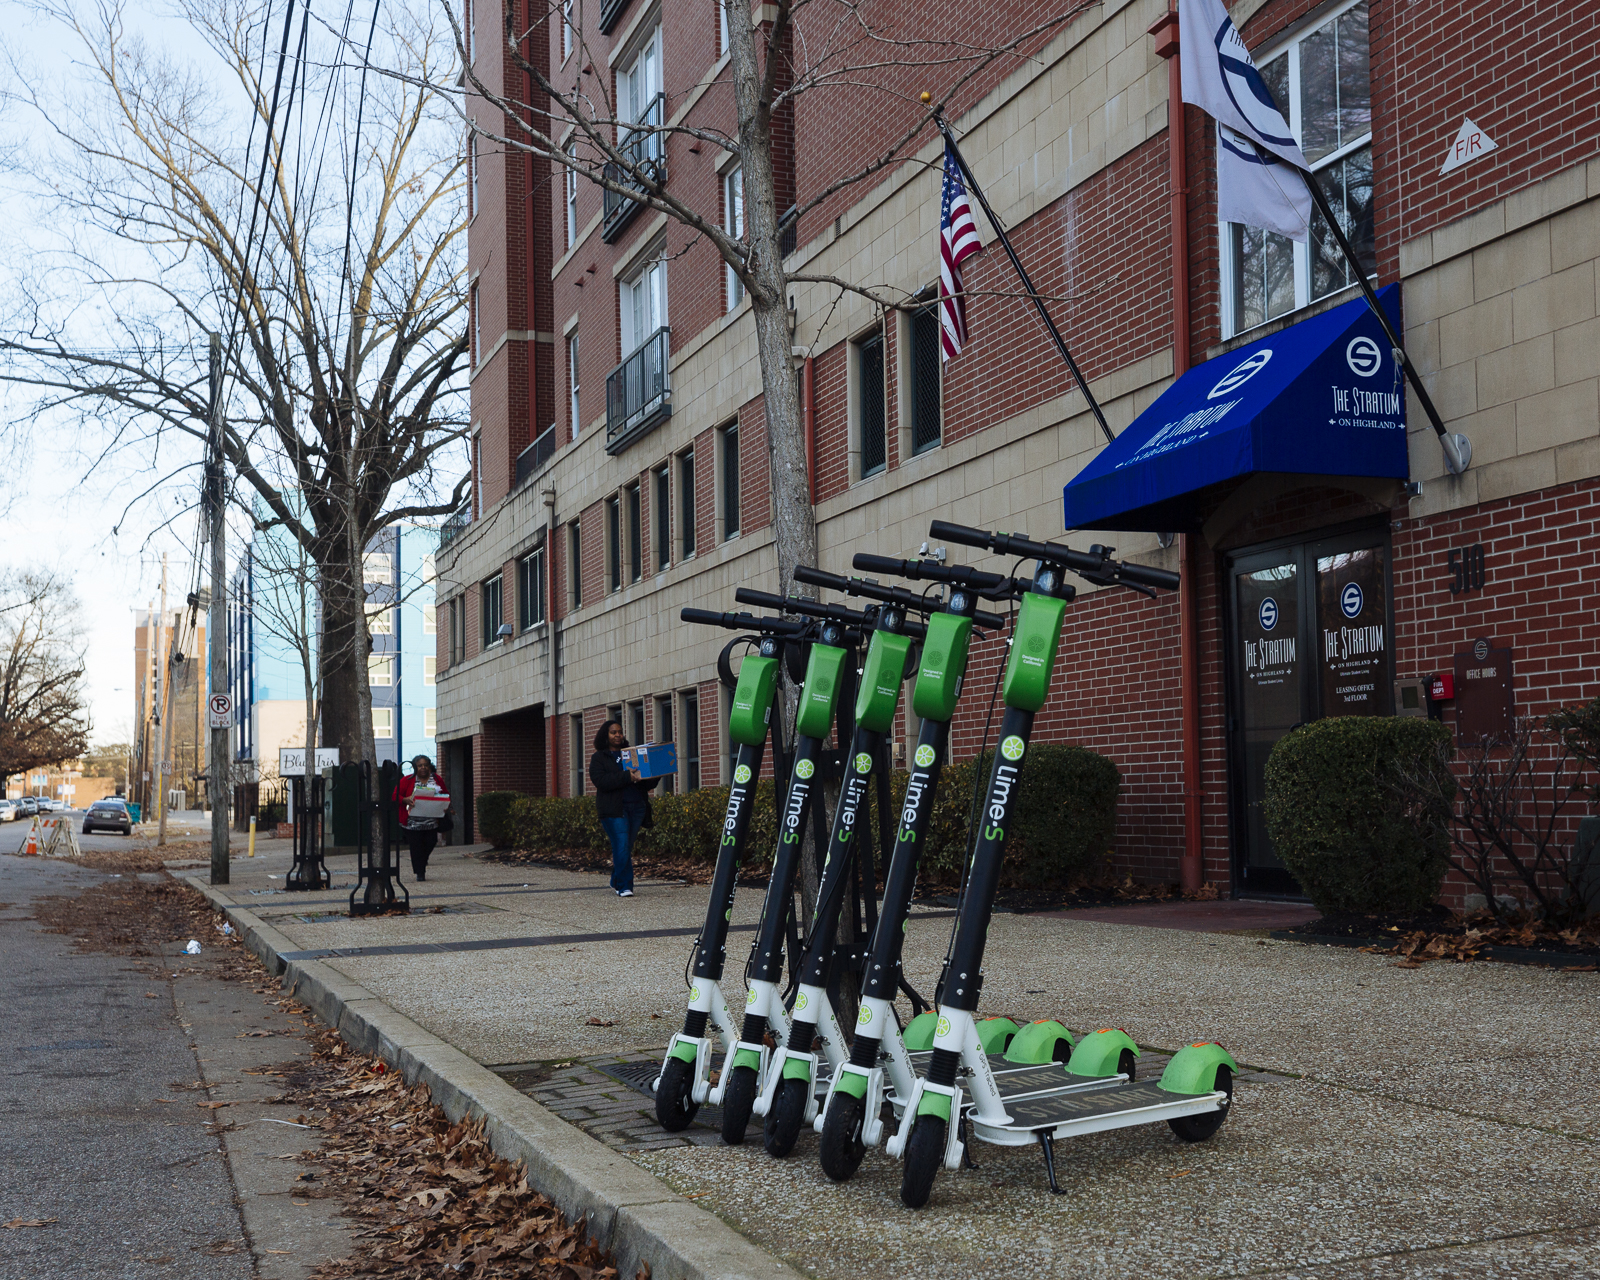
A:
958,241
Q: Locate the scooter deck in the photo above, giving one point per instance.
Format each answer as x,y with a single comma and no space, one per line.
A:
1114,1106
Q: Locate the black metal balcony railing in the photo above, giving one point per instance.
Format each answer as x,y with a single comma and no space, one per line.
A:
454,525
611,12
645,147
533,458
639,392
789,230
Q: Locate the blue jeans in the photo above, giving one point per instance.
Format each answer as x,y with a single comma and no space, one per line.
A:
621,832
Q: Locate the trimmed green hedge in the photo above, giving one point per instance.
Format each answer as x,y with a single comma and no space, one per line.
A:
494,817
1065,819
1337,810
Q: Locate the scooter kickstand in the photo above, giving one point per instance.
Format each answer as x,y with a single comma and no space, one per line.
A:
1047,1144
966,1146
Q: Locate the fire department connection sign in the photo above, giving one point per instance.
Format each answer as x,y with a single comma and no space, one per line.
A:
220,706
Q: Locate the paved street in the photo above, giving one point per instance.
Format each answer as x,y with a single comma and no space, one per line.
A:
115,1070
1443,1121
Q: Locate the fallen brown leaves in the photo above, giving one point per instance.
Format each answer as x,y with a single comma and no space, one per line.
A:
134,917
27,1222
435,1198
1420,946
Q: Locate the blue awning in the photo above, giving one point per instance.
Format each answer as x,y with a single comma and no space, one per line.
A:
1322,397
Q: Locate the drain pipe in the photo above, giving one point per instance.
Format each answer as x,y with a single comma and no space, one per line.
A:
552,719
1191,862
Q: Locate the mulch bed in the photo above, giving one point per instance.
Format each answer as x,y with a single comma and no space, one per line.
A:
1441,934
1105,893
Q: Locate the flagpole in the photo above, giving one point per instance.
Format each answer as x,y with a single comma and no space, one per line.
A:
1457,448
1016,262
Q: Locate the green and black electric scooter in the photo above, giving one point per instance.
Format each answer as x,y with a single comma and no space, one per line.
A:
1194,1092
685,1079
788,1099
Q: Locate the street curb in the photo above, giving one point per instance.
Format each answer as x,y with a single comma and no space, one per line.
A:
628,1211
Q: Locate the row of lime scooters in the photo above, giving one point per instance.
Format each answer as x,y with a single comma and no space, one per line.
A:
916,1089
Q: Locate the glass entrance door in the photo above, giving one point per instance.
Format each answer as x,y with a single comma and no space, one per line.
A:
1311,636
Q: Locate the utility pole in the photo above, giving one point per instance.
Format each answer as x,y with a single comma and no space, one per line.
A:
163,682
217,623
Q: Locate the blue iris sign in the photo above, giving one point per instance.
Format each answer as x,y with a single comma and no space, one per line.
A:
1350,600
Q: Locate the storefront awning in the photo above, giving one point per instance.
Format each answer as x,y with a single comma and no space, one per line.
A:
1322,397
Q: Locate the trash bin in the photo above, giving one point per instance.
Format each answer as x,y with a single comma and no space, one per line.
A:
133,811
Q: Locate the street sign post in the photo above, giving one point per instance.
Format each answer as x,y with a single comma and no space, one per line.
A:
220,706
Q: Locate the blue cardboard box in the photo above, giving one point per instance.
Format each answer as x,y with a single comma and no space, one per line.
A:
653,759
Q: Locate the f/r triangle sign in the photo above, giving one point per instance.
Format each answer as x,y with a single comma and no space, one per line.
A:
1471,142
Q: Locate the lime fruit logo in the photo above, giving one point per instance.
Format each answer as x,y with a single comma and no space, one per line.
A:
865,1016
694,993
942,1029
924,756
804,769
800,1002
1012,748
741,775
863,762
749,997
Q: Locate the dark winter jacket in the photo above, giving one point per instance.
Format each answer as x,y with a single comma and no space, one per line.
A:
615,791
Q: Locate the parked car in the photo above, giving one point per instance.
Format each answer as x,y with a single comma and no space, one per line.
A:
8,811
108,815
47,805
28,807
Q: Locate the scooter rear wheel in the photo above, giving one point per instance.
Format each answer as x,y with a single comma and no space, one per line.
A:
1199,1128
787,1115
842,1148
737,1100
924,1155
675,1104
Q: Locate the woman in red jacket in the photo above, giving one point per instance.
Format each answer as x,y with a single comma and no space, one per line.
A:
422,834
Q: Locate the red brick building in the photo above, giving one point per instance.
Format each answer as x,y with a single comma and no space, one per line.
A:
621,459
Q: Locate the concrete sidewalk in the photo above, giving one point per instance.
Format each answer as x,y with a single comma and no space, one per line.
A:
1439,1121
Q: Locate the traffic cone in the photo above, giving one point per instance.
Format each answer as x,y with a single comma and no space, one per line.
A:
31,849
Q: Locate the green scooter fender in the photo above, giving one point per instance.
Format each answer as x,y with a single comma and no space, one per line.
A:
918,1035
995,1034
1193,1069
1043,1041
1100,1053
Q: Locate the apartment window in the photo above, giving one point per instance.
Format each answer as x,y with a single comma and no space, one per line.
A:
635,723
530,590
430,722
430,621
613,545
638,86
430,672
566,27
729,444
577,754
686,500
635,516
574,417
380,670
733,224
689,754
870,405
574,565
472,176
1323,77
642,302
924,372
376,568
477,344
722,27
428,570
458,629
664,734
662,501
380,620
382,723
571,180
489,611
466,29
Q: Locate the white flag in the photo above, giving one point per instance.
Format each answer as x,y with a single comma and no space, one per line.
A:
1220,77
1260,190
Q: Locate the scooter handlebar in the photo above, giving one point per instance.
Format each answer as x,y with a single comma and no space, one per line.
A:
743,622
1096,564
856,587
816,609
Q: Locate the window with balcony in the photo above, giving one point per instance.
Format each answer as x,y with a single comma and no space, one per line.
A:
871,424
1321,76
530,590
686,500
728,445
642,111
733,224
662,501
638,391
490,615
634,517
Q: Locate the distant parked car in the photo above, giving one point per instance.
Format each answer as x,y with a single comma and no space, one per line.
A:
28,807
8,811
47,805
108,815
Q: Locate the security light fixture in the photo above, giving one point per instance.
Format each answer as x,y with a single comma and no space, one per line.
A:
506,631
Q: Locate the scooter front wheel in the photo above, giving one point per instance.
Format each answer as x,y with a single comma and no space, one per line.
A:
675,1104
737,1100
787,1115
924,1155
842,1148
1199,1128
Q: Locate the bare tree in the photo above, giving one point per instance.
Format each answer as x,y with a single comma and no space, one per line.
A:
314,217
43,717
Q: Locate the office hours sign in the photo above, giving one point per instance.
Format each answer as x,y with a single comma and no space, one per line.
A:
1353,620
